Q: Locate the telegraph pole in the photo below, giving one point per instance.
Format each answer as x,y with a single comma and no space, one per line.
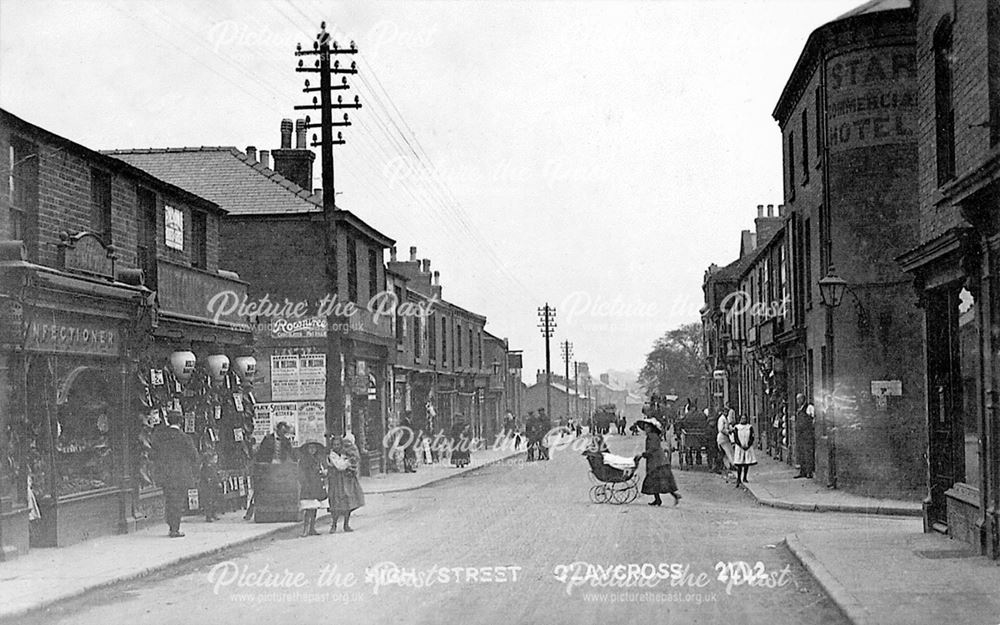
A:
567,354
337,421
547,324
576,387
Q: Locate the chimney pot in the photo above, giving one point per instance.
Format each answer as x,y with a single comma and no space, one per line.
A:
437,278
252,153
426,264
300,134
781,210
286,134
760,210
392,254
770,210
413,253
265,158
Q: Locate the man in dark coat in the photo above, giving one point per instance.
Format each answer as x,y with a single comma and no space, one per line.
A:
805,437
176,469
277,446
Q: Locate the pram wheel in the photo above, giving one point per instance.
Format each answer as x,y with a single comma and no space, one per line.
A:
599,493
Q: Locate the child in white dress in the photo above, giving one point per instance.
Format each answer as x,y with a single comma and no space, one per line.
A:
743,451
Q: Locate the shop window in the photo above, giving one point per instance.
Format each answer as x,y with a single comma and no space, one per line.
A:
173,221
968,334
100,200
79,425
944,105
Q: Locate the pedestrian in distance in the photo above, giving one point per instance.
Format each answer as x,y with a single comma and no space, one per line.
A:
659,476
805,437
409,452
724,440
210,485
177,464
312,490
345,491
743,452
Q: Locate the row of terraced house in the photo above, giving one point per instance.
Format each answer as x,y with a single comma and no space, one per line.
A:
872,290
138,282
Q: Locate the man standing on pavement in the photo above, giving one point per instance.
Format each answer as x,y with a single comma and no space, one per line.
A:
805,437
176,462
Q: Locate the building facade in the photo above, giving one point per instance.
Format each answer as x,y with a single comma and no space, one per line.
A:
106,275
275,233
955,264
848,118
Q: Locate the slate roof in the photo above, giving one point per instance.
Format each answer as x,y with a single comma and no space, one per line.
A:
225,176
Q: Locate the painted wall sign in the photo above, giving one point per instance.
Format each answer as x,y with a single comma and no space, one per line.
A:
871,98
86,253
72,337
312,327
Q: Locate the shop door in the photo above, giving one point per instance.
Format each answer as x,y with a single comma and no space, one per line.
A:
950,345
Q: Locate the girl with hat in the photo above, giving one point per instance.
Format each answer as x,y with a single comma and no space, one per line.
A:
659,476
312,494
346,495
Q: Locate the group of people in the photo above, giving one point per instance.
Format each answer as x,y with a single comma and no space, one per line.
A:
736,442
328,478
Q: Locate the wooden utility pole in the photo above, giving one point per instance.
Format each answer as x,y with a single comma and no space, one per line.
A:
547,324
337,421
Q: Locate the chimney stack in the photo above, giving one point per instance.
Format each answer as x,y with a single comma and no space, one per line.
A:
300,134
770,210
427,265
286,134
437,278
265,158
781,210
392,254
252,154
413,253
760,210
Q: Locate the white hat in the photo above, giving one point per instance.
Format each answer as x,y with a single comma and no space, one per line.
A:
652,422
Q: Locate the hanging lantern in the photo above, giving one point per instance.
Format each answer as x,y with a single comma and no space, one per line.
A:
218,366
182,364
245,367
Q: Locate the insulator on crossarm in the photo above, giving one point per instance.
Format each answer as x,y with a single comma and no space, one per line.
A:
308,119
300,62
336,65
314,100
356,99
354,46
315,138
336,46
340,99
345,117
298,47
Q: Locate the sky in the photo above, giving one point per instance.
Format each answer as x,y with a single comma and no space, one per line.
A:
597,156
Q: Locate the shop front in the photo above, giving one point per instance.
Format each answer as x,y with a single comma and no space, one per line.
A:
68,362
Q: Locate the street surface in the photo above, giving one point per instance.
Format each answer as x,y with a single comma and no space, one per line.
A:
499,546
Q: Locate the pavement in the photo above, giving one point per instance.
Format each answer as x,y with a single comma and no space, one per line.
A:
877,576
772,483
43,577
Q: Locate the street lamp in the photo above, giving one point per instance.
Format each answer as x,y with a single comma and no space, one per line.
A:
831,292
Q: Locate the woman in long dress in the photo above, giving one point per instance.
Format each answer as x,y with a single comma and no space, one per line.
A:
659,476
743,452
724,438
346,495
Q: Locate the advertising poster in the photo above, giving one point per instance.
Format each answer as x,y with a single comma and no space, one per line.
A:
284,377
312,422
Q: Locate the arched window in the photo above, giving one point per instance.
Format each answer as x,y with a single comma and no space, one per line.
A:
944,105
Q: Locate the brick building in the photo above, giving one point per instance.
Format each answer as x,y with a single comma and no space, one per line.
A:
105,277
274,234
956,263
848,118
442,368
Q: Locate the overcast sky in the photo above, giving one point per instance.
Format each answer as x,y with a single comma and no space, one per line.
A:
595,155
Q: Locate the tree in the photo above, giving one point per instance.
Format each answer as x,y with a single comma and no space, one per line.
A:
675,365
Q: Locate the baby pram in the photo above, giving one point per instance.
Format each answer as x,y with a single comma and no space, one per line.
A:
614,476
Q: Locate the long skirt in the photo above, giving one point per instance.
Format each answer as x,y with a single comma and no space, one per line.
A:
659,480
345,492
